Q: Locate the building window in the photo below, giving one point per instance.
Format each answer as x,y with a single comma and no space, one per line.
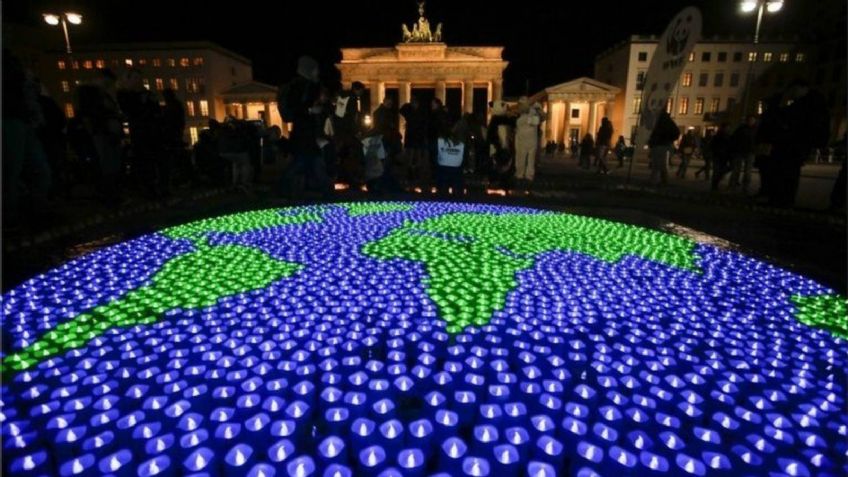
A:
128,62
722,56
767,57
146,83
637,105
204,107
731,102
157,62
69,110
75,64
760,107
687,79
640,80
799,57
172,62
691,56
715,104
88,64
184,62
752,56
198,61
160,85
60,64
703,79
784,58
705,56
66,87
718,81
192,131
100,64
142,62
699,106
575,113
642,56
669,105
684,105
734,79
173,84
737,56
190,108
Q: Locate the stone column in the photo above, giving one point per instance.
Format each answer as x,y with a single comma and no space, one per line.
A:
593,106
468,96
566,123
497,89
244,110
404,93
266,116
378,92
441,91
404,96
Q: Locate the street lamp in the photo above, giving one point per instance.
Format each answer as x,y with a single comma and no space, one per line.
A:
761,6
53,19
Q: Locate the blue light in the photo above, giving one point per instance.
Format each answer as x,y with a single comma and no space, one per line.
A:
586,365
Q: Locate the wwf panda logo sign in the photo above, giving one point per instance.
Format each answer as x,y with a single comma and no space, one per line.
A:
667,64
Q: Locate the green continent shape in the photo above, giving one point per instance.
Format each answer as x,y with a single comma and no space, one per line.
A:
357,209
193,280
245,222
823,311
472,259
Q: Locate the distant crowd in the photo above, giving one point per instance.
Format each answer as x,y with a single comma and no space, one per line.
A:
793,128
124,137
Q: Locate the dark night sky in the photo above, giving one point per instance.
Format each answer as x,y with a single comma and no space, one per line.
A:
546,42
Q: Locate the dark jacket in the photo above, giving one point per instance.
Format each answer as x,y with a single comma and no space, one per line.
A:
347,125
145,118
173,122
416,126
300,96
665,132
807,125
385,121
720,146
742,141
437,123
604,134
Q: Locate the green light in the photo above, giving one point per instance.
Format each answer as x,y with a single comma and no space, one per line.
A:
245,222
477,256
357,209
823,311
194,280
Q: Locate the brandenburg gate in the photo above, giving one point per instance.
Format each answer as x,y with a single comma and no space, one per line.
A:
422,60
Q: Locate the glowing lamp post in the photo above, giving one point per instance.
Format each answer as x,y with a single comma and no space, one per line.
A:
760,6
53,19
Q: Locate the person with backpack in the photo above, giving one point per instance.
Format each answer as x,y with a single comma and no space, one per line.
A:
298,102
347,131
602,145
450,155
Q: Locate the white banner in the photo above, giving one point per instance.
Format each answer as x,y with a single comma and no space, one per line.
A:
670,56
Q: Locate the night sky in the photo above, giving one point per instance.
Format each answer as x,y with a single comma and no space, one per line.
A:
547,42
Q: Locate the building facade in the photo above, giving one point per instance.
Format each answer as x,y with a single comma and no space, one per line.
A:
574,109
464,78
199,72
714,85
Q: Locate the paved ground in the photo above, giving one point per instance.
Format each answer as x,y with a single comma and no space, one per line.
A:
808,240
